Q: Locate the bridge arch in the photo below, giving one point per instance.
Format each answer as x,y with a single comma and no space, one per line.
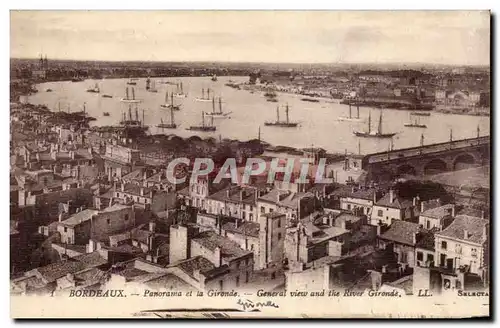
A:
464,161
406,169
435,166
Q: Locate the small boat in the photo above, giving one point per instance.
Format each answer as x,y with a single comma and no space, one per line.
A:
171,106
310,100
77,79
421,114
203,127
127,99
350,118
48,90
105,114
270,94
95,89
374,134
180,93
415,123
284,124
220,113
107,96
272,100
214,78
203,98
131,81
170,125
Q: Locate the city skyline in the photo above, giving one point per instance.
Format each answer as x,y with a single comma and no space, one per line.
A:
228,36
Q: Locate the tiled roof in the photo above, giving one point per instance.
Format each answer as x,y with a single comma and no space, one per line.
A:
115,207
79,217
473,225
287,199
91,259
170,282
234,195
398,202
189,266
134,189
55,271
401,232
244,228
438,212
229,250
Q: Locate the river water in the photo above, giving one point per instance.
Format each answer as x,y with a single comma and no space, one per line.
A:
319,125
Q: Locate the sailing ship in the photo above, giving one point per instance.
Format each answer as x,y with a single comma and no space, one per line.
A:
415,123
127,99
105,114
350,118
171,106
130,121
214,77
284,124
132,82
180,93
151,86
374,134
95,89
203,98
170,125
220,113
203,127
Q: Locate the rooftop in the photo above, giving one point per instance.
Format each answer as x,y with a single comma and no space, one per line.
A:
229,250
438,212
235,194
401,232
244,228
397,202
79,218
462,223
284,198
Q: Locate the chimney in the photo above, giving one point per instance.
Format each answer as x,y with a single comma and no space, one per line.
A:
466,234
123,186
482,215
453,210
485,231
142,191
152,226
145,175
236,223
414,238
60,217
91,246
242,195
217,257
90,150
37,156
72,154
414,201
421,207
391,196
379,230
374,196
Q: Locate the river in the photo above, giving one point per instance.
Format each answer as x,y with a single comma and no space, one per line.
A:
319,125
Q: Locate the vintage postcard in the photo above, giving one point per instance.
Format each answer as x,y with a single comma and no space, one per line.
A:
250,164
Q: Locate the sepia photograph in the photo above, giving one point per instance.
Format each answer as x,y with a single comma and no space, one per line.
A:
224,164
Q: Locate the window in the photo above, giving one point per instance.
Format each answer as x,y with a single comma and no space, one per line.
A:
250,216
348,206
238,281
473,252
247,277
65,229
279,223
251,247
273,275
420,256
251,208
428,224
380,213
271,210
458,249
126,217
444,245
247,261
221,285
279,236
430,257
262,209
108,221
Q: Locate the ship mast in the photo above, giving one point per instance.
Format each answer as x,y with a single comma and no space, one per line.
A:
369,122
287,113
358,110
136,114
277,114
213,105
130,112
380,123
220,105
208,94
203,119
202,93
166,97
172,115
133,93
126,93
350,116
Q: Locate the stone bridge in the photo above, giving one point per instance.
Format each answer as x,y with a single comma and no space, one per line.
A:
428,159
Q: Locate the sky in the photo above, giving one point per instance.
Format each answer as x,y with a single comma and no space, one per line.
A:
437,37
